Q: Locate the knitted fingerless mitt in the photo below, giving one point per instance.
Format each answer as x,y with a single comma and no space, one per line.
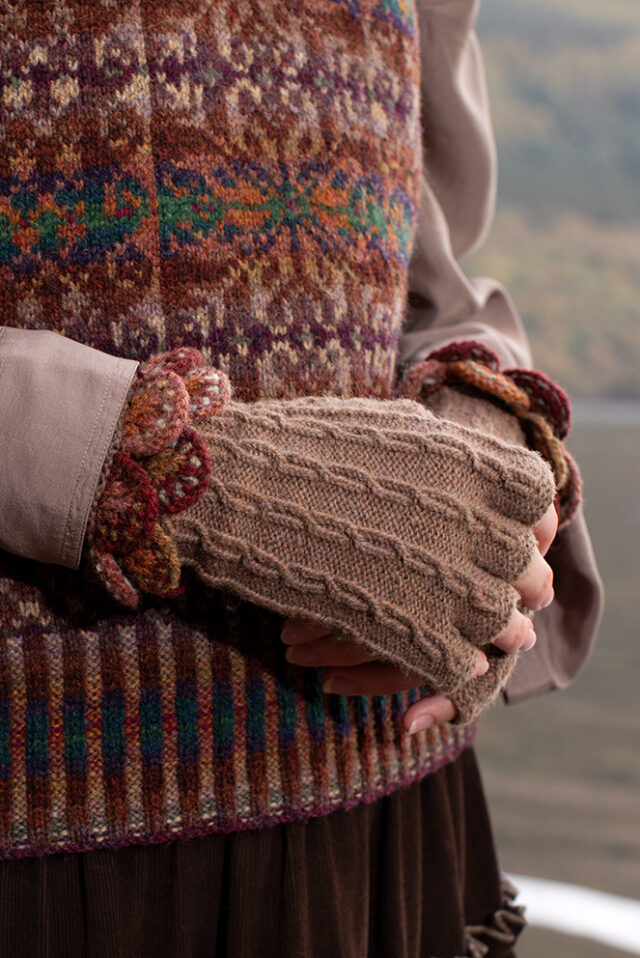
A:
399,531
462,383
541,407
393,529
158,466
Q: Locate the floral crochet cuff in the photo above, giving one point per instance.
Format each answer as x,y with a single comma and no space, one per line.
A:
542,407
158,465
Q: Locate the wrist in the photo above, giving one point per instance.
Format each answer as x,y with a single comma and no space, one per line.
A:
157,466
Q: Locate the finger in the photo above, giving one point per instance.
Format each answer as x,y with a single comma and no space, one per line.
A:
545,530
518,636
327,652
427,712
373,678
535,585
380,678
302,630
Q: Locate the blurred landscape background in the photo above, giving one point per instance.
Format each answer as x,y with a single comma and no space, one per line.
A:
563,771
564,83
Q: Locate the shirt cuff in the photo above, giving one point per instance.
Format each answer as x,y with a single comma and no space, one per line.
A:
60,403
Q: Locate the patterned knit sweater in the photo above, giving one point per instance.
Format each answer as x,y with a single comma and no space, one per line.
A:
240,176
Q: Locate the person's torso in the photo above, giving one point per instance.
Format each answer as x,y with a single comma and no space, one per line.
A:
242,177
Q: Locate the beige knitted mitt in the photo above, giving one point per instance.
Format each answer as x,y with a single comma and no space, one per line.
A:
488,418
395,529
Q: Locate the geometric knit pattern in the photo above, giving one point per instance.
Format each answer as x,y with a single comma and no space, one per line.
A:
134,729
238,176
241,177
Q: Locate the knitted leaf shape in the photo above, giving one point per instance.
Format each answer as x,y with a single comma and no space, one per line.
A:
394,529
161,467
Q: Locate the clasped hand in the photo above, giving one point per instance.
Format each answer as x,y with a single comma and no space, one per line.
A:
352,671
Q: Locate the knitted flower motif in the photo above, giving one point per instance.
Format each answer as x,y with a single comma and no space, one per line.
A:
158,412
154,566
179,361
128,507
109,573
545,397
469,349
180,473
161,469
541,406
209,391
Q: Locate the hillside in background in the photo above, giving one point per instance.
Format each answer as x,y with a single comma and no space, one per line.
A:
564,82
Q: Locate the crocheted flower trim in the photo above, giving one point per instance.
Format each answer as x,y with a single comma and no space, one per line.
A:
541,406
161,468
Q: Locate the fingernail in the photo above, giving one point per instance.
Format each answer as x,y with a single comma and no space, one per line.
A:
292,632
338,685
529,642
421,723
548,599
482,667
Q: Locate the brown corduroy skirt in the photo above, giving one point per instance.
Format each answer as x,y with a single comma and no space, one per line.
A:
413,875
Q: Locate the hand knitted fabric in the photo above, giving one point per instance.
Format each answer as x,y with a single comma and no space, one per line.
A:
485,416
394,529
540,405
157,465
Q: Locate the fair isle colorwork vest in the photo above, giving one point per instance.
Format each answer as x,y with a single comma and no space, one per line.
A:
240,176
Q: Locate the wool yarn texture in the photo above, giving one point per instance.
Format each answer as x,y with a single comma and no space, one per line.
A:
395,529
488,418
240,178
157,465
541,407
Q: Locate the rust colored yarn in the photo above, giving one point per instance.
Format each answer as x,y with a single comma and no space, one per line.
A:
161,467
541,407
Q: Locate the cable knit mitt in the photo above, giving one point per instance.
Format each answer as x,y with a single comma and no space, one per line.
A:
485,416
396,530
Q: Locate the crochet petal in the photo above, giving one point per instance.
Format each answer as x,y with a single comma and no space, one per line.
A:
181,473
158,412
546,398
128,508
468,349
155,566
542,438
179,361
112,578
496,384
422,379
209,391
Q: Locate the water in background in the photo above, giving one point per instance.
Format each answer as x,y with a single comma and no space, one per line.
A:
563,771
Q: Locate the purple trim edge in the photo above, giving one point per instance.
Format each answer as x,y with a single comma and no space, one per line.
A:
201,831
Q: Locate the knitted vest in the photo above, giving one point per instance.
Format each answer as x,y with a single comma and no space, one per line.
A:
240,176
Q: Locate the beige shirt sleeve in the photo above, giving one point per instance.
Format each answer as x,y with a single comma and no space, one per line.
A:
457,206
60,403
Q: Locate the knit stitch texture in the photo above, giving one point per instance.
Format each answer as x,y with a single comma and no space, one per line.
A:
240,177
396,530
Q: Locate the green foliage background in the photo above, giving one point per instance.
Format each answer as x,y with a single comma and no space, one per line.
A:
564,82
